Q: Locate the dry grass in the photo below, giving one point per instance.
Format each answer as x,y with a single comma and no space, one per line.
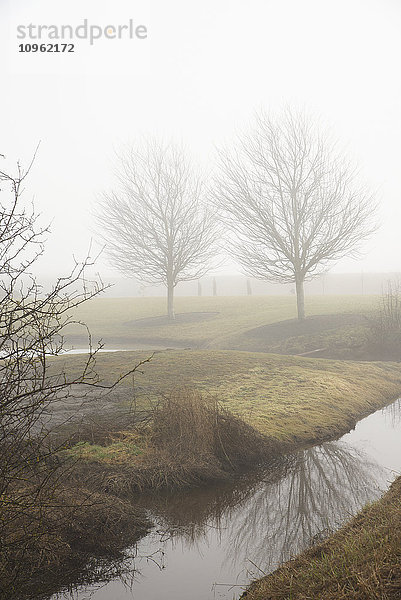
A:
61,535
191,439
362,561
290,399
189,424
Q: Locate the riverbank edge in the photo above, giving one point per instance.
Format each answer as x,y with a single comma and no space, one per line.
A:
360,561
137,521
121,479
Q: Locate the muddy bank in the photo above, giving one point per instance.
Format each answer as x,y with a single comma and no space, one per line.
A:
77,535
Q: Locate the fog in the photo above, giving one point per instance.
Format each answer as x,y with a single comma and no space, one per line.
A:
198,77
178,444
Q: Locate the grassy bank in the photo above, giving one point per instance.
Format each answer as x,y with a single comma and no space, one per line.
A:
237,409
187,440
71,533
362,561
292,400
216,322
87,514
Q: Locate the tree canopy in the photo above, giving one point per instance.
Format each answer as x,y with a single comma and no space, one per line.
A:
293,203
156,224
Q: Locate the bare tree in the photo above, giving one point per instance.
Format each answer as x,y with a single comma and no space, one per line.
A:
32,323
248,287
292,202
156,226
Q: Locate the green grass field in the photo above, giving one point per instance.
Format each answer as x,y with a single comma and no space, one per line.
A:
117,321
288,398
292,400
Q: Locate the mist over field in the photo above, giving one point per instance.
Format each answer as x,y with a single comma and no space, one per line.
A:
200,300
198,77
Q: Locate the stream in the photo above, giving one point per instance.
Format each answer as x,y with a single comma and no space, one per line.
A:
208,544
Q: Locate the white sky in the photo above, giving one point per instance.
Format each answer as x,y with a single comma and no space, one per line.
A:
205,67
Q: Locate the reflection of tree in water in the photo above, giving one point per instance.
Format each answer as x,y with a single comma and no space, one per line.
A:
85,584
185,517
323,486
191,514
267,520
264,517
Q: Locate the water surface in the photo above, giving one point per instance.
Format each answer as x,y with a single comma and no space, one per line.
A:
209,544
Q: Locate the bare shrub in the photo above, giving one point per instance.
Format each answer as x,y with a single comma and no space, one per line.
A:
385,324
190,426
77,525
184,423
32,327
190,439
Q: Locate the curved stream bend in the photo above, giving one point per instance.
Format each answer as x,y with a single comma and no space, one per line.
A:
210,543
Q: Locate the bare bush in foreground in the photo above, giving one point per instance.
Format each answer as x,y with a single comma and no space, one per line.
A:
385,324
32,323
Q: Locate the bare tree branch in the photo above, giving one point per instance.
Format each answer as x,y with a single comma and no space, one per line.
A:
32,323
156,226
292,203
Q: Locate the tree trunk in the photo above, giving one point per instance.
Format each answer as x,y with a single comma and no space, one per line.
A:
248,287
299,286
170,302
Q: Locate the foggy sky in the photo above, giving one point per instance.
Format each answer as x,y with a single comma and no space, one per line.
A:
198,77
